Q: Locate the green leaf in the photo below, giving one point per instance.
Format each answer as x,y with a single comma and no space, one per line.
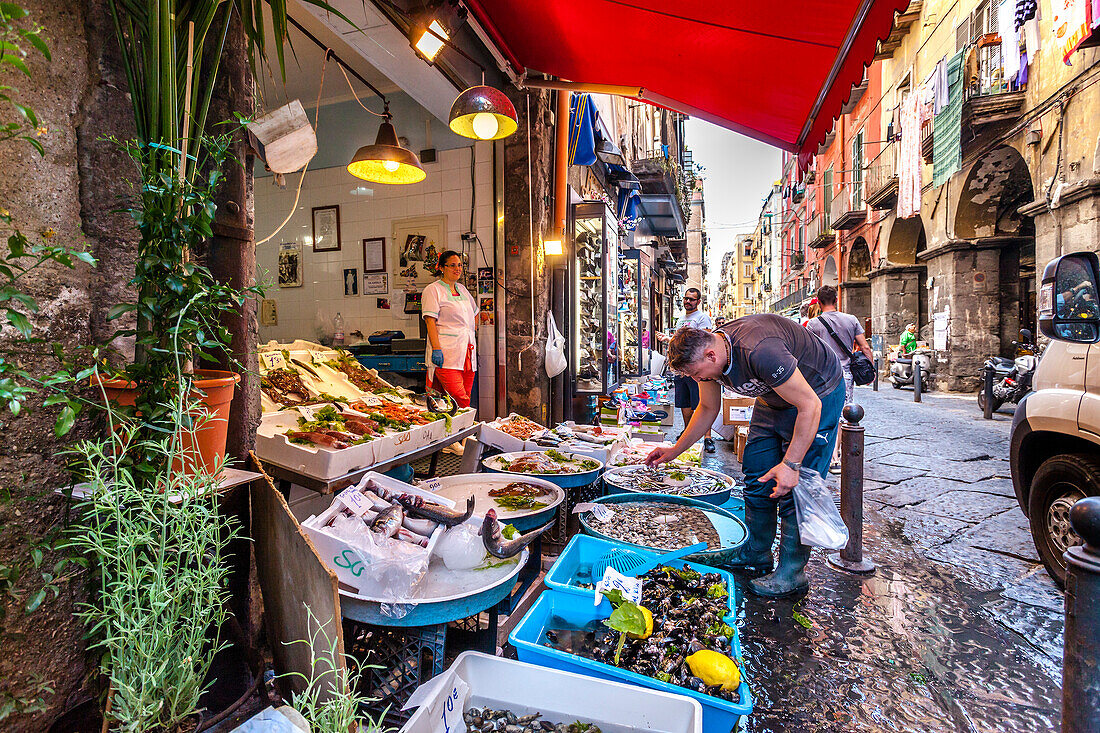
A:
64,421
13,60
36,556
19,322
27,112
35,40
36,600
118,310
627,618
13,11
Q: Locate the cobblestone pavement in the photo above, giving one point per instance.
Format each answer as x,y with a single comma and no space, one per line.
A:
960,628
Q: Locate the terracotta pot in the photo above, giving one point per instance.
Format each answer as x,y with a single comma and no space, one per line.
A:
204,447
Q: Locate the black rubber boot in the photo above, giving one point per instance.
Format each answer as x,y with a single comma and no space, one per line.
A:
754,558
790,577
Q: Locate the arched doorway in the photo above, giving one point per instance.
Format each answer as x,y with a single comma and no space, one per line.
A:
856,288
998,184
828,277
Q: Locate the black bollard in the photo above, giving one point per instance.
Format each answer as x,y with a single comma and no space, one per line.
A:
1081,653
874,385
916,380
987,385
851,558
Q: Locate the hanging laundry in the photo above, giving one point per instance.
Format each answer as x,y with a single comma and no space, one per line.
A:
1021,77
939,86
582,130
1025,11
908,161
1031,38
947,126
1010,42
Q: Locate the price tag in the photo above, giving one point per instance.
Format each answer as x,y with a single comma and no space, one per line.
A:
371,400
600,511
355,501
317,357
431,484
272,360
309,412
631,588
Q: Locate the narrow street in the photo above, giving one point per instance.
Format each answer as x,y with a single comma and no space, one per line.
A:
960,628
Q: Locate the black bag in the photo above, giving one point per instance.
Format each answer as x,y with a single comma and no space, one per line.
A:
863,370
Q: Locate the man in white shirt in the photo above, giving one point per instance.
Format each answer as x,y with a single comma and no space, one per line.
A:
687,389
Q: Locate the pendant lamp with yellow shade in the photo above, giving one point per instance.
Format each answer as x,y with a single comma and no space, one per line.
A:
386,161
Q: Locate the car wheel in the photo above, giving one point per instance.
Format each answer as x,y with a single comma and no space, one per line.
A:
1058,484
981,402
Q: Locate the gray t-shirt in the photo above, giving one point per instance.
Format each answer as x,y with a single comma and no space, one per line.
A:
844,325
765,350
695,319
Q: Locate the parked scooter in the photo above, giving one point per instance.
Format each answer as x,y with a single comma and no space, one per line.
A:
901,367
1011,377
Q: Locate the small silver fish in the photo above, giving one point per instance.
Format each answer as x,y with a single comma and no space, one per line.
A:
388,521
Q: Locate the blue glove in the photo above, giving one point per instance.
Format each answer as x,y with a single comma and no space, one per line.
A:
437,357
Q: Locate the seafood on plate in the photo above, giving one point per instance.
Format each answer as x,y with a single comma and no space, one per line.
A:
519,427
520,496
657,525
676,480
544,462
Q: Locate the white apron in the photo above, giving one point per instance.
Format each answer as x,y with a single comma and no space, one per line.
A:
456,319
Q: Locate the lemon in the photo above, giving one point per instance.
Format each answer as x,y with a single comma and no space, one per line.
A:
715,669
648,624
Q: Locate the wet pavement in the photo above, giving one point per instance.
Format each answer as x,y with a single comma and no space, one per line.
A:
960,629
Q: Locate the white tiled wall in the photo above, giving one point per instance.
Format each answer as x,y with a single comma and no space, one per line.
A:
307,312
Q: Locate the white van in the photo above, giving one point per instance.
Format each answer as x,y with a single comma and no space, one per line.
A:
1056,430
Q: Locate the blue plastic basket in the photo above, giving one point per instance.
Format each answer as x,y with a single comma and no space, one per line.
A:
719,716
583,550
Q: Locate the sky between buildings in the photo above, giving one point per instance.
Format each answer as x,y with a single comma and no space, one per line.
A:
739,172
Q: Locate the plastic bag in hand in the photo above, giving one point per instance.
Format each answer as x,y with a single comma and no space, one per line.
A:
819,522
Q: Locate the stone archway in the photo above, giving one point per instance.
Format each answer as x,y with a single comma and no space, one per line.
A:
855,289
829,274
987,213
899,295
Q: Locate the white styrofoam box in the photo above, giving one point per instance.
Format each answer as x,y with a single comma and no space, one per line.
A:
435,430
480,680
464,419
582,448
345,559
310,460
492,436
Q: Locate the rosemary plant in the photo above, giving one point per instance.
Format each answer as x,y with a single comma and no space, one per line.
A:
156,551
331,701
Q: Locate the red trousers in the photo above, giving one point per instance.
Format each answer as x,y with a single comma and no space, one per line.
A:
456,382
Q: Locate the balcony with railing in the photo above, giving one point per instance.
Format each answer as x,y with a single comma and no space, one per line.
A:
991,97
794,299
798,261
882,180
819,233
902,23
847,209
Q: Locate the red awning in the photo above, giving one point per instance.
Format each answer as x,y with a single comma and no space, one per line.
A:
778,71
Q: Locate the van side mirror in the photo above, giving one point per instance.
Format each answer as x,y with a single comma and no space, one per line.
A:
1069,309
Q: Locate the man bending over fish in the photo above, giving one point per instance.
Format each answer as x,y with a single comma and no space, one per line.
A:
799,390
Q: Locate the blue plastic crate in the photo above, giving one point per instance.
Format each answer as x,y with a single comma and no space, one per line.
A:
582,550
719,716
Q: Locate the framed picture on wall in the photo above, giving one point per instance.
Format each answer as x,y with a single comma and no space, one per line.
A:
351,282
326,228
374,254
376,283
417,245
290,265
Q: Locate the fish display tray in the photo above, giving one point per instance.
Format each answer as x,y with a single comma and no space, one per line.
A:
612,483
564,480
457,488
583,550
731,530
561,696
719,716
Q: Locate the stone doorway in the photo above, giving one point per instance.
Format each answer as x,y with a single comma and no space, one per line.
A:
855,290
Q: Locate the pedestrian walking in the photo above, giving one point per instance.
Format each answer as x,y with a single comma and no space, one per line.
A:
799,390
835,329
687,391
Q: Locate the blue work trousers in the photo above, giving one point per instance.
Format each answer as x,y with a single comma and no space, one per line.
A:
769,435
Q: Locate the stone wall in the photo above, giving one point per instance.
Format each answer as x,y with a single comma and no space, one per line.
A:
526,274
74,189
964,283
895,301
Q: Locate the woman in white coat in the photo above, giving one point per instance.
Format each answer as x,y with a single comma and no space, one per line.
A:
450,316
